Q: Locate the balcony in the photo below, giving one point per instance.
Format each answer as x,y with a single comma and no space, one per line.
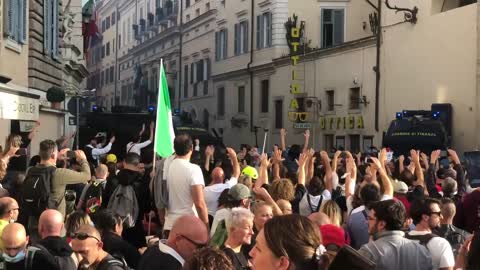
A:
171,9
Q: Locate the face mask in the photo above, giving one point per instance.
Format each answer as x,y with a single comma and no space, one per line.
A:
20,256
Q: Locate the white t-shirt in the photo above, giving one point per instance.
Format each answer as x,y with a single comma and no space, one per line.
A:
137,147
440,250
212,193
305,209
181,176
219,216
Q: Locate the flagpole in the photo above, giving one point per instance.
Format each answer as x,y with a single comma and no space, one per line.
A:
156,129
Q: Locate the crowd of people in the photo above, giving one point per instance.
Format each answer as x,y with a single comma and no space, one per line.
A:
214,207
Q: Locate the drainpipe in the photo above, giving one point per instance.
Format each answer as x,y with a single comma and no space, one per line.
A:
180,68
377,67
116,56
249,69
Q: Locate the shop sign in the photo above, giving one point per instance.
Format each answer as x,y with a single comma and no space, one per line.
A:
345,122
302,125
18,108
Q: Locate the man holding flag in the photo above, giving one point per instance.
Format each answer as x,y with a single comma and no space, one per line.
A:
185,181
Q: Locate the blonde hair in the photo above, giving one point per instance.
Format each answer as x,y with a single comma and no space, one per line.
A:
258,205
333,211
282,189
246,180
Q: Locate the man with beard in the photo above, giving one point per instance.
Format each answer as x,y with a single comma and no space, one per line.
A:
390,249
426,215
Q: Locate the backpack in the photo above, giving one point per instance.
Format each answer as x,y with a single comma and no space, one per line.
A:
64,263
423,239
37,190
123,202
455,239
310,203
160,188
103,265
220,235
92,202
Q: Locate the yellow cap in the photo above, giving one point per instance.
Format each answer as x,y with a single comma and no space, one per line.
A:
111,158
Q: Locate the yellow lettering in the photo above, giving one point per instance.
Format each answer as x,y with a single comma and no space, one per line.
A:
330,123
344,123
360,123
295,88
322,122
294,104
295,46
295,32
351,122
295,59
339,119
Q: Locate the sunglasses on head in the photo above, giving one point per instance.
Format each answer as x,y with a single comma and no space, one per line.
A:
197,245
84,236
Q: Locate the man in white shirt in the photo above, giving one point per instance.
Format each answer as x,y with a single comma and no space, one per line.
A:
136,146
185,185
93,152
213,191
426,215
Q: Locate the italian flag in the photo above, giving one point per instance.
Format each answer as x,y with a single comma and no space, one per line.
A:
164,134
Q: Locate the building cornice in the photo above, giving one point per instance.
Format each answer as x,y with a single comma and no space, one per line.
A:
206,15
169,33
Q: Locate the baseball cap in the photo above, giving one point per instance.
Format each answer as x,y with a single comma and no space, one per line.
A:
400,187
250,171
111,158
332,235
239,192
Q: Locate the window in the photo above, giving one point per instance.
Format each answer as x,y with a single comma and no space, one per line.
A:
207,6
354,98
241,99
128,31
113,45
265,85
221,102
101,78
103,51
108,49
264,30
103,26
328,143
446,5
107,23
15,27
332,27
354,143
221,39
241,38
199,71
185,81
113,18
330,100
340,143
141,13
112,74
50,27
278,114
188,18
197,12
367,143
187,3
119,41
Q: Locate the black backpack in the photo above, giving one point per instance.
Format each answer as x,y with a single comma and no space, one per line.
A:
423,239
64,263
92,202
37,190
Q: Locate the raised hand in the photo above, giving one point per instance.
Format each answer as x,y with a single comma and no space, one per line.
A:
302,160
414,155
453,154
434,156
283,132
230,152
306,134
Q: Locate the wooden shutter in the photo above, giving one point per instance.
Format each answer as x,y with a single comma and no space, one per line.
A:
22,21
245,37
192,69
338,26
225,44
217,46
55,19
46,26
237,39
8,26
269,29
209,68
259,29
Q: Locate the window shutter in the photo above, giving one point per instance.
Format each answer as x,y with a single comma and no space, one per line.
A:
245,37
46,26
200,71
16,19
225,45
22,21
269,29
9,17
237,39
217,46
209,68
55,29
191,72
262,31
338,26
259,29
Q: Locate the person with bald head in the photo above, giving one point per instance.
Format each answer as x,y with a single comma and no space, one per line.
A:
15,241
52,251
89,201
88,247
188,234
218,183
9,211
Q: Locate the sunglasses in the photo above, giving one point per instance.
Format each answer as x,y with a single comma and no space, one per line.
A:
439,213
84,236
197,245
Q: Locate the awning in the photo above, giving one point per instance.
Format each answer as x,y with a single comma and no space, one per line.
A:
18,104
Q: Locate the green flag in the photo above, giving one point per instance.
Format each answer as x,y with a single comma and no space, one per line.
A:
164,134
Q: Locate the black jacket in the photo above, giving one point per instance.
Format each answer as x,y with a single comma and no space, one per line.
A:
154,259
56,246
116,246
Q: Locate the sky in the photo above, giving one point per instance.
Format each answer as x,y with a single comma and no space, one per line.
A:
83,2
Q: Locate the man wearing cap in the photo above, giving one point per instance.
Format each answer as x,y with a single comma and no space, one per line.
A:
400,190
93,153
239,196
218,184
